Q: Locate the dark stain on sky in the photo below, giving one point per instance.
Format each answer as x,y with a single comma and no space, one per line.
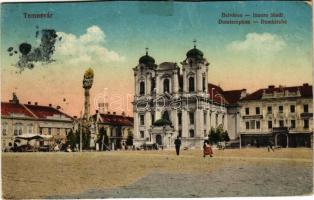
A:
29,55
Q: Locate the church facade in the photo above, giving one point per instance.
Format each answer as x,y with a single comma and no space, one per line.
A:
172,100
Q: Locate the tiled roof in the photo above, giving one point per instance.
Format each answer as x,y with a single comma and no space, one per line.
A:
232,96
305,91
217,92
35,111
14,108
45,111
116,120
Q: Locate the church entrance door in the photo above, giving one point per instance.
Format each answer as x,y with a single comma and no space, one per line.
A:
159,139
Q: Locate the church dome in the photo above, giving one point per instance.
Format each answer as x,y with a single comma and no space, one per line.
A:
147,60
195,53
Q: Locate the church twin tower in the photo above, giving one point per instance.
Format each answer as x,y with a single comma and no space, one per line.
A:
169,102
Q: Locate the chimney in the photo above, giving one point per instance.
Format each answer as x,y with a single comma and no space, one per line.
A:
271,87
50,105
36,103
29,103
123,113
243,93
108,113
114,113
305,84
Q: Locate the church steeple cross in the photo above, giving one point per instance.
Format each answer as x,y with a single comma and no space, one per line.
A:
194,41
146,50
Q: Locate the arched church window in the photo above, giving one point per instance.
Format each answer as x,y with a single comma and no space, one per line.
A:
153,85
166,85
166,116
142,88
204,84
191,133
191,84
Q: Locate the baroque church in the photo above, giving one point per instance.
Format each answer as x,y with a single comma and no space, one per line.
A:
172,100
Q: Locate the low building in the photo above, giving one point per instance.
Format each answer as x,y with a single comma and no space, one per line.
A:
116,127
19,119
281,115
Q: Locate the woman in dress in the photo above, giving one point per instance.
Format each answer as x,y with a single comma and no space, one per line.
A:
207,149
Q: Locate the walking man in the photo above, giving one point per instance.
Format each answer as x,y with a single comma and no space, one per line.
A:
177,144
270,145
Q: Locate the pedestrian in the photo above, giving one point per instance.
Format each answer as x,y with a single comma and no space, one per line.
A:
207,149
177,144
270,145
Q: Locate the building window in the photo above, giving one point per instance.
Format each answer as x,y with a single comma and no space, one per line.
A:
30,128
269,109
247,125
4,129
191,133
247,111
257,111
223,121
17,129
258,124
142,134
280,109
252,124
142,88
205,135
216,119
205,118
292,124
191,114
306,124
292,108
58,131
180,118
191,84
281,123
40,131
270,124
142,120
49,131
306,108
166,85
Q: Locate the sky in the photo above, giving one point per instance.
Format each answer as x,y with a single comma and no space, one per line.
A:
110,37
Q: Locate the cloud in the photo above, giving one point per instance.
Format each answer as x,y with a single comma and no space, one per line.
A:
86,48
263,43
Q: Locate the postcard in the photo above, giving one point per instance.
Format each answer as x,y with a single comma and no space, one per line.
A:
156,99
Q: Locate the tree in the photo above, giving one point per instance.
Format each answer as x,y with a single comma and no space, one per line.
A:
72,139
214,136
129,140
225,136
